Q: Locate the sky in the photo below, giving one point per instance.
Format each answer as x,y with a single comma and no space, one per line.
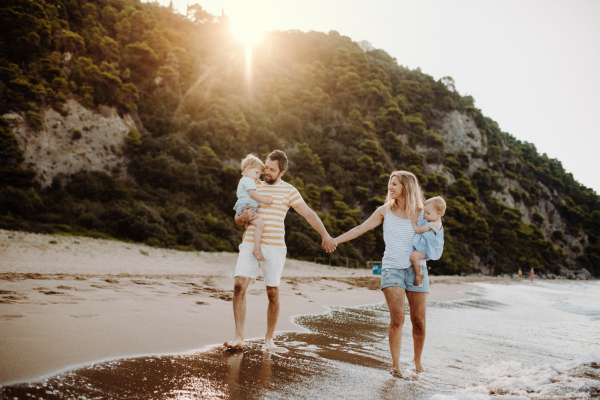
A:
533,66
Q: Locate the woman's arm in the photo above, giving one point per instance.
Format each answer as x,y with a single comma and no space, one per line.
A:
254,194
419,229
374,220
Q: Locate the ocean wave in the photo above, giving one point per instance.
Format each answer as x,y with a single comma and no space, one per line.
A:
594,315
577,379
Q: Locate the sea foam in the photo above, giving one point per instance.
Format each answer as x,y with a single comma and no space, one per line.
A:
577,379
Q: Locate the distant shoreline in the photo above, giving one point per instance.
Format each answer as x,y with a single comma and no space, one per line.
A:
71,301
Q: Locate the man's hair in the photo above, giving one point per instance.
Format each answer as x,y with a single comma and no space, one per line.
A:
438,203
280,157
251,161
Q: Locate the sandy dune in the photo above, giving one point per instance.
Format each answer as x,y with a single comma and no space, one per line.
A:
67,301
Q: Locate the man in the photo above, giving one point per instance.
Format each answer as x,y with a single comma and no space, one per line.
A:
283,196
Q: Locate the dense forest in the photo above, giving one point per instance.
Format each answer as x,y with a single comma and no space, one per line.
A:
346,117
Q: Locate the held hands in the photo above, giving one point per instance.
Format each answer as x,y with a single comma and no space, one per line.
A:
329,244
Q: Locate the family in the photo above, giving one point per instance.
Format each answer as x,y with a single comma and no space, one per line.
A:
412,231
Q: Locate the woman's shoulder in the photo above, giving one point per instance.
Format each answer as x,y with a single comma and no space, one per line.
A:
381,210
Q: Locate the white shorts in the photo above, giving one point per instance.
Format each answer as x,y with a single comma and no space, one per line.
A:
247,264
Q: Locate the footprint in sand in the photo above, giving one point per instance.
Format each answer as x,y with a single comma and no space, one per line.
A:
9,317
12,298
84,315
65,287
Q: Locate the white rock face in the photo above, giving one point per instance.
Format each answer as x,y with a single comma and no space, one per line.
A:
53,150
439,169
552,218
460,133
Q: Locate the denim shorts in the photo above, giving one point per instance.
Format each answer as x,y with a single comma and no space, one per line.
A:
405,278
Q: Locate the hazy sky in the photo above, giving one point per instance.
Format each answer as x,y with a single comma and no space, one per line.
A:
533,66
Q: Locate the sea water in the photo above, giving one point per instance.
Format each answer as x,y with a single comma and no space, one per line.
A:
522,341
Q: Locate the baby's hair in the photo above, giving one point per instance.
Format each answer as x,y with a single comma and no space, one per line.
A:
251,161
438,203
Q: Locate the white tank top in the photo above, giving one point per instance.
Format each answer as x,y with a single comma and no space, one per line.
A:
398,235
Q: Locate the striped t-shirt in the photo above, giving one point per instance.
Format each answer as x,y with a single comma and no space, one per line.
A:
398,234
284,196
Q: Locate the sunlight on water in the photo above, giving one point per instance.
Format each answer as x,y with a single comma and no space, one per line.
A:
508,341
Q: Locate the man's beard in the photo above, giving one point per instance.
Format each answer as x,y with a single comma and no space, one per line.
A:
270,180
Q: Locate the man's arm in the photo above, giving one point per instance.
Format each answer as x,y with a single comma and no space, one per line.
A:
246,216
313,219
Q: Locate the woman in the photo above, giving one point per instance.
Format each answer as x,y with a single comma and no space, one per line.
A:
398,279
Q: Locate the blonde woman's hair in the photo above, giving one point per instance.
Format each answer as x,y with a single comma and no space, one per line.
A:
251,161
438,203
411,191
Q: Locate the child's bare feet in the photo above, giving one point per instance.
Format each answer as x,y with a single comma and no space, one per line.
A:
258,254
419,279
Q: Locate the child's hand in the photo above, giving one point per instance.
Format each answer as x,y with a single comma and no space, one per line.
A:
258,181
269,202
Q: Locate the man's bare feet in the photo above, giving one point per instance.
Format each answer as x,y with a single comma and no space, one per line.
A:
419,366
270,345
236,343
258,254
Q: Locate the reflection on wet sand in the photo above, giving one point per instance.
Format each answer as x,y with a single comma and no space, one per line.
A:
344,357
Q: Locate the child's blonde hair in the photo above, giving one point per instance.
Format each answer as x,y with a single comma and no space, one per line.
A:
251,161
411,190
438,203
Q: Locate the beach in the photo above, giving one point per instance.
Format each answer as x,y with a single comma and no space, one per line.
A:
92,318
68,301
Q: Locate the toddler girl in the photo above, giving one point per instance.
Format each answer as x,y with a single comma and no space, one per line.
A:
429,240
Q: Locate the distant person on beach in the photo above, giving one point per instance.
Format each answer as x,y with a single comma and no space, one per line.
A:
520,273
429,240
404,202
531,274
283,196
252,169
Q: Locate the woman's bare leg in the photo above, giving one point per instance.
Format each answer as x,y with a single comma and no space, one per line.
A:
394,296
417,302
259,227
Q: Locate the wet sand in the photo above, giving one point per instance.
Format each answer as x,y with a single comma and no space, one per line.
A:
69,301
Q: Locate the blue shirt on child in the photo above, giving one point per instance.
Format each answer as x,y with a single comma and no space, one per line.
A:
430,242
243,196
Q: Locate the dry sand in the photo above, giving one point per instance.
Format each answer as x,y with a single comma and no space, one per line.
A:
67,301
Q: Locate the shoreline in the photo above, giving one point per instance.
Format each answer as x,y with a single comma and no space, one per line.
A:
66,302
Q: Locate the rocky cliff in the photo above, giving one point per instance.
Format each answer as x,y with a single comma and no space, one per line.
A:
81,140
461,134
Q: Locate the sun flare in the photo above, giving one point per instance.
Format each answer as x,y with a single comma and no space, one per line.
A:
249,32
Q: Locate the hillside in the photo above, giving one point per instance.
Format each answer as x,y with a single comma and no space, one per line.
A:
127,120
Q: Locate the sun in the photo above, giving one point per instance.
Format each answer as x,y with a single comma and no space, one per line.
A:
249,31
